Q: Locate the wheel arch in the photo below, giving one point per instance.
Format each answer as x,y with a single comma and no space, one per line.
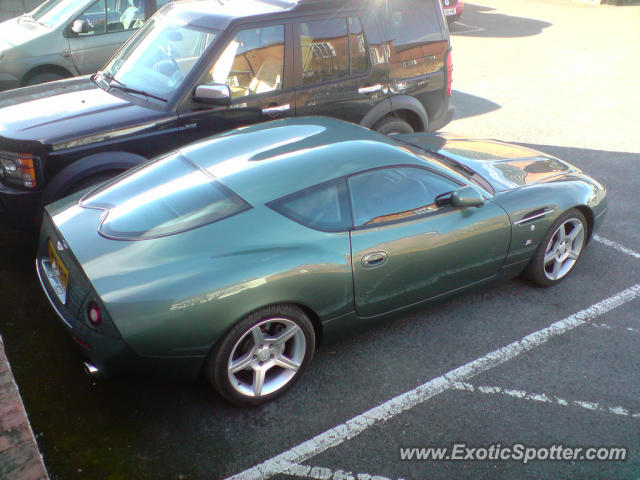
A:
47,67
589,216
405,107
86,167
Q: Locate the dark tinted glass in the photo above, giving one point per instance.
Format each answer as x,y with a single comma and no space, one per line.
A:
323,207
252,63
392,194
166,196
357,46
325,50
414,28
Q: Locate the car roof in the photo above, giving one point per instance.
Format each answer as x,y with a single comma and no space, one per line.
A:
269,160
219,14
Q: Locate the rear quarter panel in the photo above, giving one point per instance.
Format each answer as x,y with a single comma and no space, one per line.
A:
175,296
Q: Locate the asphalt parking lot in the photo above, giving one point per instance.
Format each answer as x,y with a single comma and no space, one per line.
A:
511,363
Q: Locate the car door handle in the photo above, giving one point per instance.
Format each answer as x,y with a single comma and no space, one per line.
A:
374,259
370,89
276,109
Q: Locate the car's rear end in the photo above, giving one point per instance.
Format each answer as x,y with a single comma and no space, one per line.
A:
76,303
452,9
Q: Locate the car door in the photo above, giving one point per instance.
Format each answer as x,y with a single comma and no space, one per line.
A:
110,23
334,70
405,249
255,66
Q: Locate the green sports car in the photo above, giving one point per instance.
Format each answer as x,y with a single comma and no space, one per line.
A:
233,255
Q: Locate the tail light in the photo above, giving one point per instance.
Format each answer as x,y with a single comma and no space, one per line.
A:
94,314
449,64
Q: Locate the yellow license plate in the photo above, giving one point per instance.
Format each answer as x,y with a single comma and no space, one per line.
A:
59,270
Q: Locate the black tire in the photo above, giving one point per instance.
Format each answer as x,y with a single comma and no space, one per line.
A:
390,125
239,343
44,77
538,270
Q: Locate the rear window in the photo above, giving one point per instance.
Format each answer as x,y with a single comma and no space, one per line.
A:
167,196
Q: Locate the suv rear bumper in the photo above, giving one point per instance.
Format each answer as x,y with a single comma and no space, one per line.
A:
19,208
439,122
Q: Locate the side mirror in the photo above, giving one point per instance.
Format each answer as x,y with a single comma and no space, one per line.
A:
213,94
461,198
80,26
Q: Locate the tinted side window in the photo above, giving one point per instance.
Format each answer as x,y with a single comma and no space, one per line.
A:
357,47
392,194
325,50
412,24
96,17
322,207
252,63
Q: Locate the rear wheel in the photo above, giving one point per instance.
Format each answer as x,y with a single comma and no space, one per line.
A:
559,250
262,356
392,126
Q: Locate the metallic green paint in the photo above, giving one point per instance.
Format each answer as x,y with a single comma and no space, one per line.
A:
172,298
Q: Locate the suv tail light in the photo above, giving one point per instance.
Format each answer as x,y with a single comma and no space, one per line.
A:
449,72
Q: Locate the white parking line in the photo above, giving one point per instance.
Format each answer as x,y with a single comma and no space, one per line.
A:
470,28
545,398
616,246
615,327
323,473
389,409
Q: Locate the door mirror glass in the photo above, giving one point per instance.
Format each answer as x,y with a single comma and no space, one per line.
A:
213,94
461,198
80,26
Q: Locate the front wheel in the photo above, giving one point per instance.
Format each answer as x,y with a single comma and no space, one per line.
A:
262,356
559,250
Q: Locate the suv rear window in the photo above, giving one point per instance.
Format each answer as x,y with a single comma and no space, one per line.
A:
167,196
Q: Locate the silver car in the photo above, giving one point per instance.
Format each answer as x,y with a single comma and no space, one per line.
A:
63,38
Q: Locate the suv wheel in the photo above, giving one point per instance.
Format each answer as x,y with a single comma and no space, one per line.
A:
392,126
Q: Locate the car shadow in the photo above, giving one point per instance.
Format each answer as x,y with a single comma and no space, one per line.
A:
467,105
481,21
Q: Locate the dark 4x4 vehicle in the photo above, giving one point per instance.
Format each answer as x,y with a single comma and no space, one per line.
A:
198,68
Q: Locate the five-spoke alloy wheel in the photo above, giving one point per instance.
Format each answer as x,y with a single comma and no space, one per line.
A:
262,355
559,250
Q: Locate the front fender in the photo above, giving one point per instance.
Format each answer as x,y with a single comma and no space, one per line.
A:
86,167
533,201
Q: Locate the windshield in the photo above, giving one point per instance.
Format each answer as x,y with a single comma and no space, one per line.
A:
158,57
450,163
166,196
56,12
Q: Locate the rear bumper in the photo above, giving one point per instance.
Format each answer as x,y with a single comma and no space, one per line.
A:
112,356
439,122
19,208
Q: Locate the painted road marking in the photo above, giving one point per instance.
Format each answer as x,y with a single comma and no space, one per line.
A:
544,398
323,473
470,28
616,246
389,409
615,327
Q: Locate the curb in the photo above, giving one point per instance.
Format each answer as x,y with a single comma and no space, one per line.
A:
20,458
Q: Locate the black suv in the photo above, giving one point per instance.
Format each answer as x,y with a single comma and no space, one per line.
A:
202,67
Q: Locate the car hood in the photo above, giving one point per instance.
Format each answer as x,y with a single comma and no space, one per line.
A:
20,30
505,166
57,113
